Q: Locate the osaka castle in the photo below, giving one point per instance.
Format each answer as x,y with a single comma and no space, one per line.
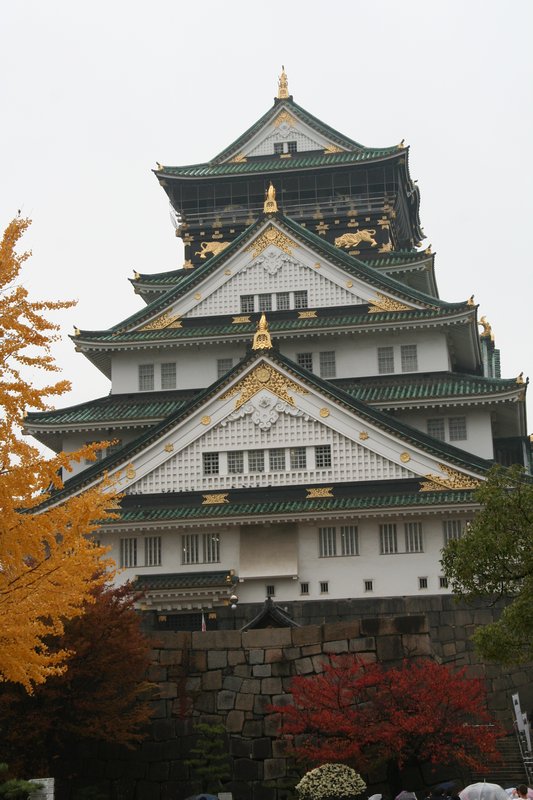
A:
296,413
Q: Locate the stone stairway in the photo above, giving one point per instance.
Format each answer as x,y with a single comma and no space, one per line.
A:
510,771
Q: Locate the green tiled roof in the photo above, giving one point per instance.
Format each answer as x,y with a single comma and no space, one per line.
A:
184,580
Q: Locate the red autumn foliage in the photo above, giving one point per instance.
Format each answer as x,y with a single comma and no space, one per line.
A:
359,714
102,696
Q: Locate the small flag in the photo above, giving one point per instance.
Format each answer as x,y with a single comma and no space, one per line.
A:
204,628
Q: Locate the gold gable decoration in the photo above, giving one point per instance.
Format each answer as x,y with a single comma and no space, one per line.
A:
455,480
319,491
271,236
262,340
384,303
270,206
284,117
215,499
166,320
264,377
283,85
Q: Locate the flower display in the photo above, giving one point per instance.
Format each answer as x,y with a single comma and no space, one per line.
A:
330,782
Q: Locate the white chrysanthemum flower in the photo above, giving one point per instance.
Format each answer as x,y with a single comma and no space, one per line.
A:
330,781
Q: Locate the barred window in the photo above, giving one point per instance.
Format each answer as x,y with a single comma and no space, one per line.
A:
211,548
247,303
276,459
304,588
235,462
270,590
413,537
223,365
292,147
385,360
443,582
388,538
211,463
298,458
190,553
436,428
128,552
423,583
146,377
409,357
457,428
349,540
283,301
327,542
152,551
452,529
327,364
265,302
323,456
256,461
305,360
324,587
300,299
278,148
168,375
368,584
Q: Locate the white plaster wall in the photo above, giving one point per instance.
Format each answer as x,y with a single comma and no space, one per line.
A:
478,426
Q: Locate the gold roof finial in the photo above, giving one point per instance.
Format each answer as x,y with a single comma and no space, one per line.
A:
487,329
283,84
262,340
520,379
470,301
270,206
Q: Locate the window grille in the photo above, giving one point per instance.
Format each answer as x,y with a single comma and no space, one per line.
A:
457,428
385,360
247,303
276,459
409,357
323,456
388,539
304,588
324,587
270,590
278,148
223,365
349,540
292,147
327,364
305,360
211,548
443,582
436,428
146,377
189,548
413,537
283,301
300,299
235,462
422,583
298,458
152,551
452,529
327,542
256,461
211,463
265,302
369,585
128,552
168,375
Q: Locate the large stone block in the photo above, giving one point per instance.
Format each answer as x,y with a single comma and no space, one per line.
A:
362,644
416,623
236,657
217,659
282,700
212,680
244,702
332,631
225,700
311,649
262,748
173,640
167,691
274,768
216,640
389,648
250,686
319,662
170,657
337,646
303,666
273,654
252,728
292,653
206,702
271,686
256,656
416,645
262,703
232,682
272,724
197,661
262,670
241,670
234,721
240,748
156,673
267,637
308,634
281,669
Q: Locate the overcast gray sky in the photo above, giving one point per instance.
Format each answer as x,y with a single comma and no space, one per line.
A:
93,94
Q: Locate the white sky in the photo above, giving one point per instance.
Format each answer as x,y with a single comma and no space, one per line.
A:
93,94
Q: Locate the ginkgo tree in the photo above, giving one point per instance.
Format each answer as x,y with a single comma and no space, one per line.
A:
49,563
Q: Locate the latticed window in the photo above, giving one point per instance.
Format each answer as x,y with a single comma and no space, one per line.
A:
457,428
270,590
409,357
413,537
211,463
236,462
323,456
146,377
304,588
247,303
452,529
292,147
368,584
223,365
305,360
168,375
388,539
423,583
283,301
298,458
276,459
300,299
436,428
327,364
256,460
327,542
152,551
324,587
211,548
349,540
443,582
278,148
265,302
128,552
385,360
190,552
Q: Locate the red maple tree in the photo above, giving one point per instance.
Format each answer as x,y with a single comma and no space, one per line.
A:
362,714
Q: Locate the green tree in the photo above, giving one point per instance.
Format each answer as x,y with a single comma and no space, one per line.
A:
494,560
209,762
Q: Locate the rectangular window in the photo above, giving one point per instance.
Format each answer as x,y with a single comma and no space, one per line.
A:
278,148
223,365
422,583
128,552
304,588
369,585
413,537
292,147
146,377
327,364
305,360
276,459
322,456
211,463
388,539
324,587
443,582
409,357
457,428
385,360
452,529
327,542
168,375
236,462
298,458
300,299
436,428
283,301
349,540
152,551
270,590
189,548
114,448
265,302
211,548
247,303
256,460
